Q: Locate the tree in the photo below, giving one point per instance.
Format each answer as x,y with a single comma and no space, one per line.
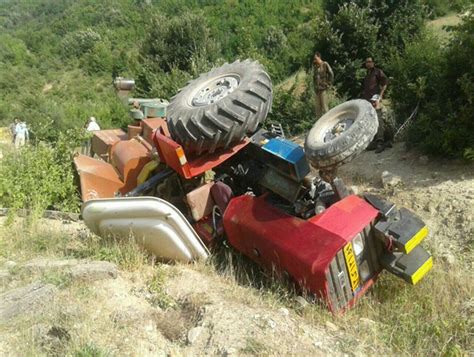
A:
172,42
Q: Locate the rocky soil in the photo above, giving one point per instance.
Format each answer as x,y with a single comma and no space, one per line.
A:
441,192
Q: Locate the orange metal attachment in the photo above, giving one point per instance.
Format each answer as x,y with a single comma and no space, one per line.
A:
103,140
173,155
150,125
129,157
98,179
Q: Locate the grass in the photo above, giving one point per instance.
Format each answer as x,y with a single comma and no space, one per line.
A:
156,287
89,350
60,279
441,25
22,241
255,347
431,318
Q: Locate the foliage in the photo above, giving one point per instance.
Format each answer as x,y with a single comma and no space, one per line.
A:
441,80
441,7
294,104
40,177
345,40
79,42
173,42
58,60
355,30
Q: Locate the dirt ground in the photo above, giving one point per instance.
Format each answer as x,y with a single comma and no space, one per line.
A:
440,191
160,309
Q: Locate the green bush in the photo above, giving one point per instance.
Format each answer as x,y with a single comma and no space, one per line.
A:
415,74
173,42
41,176
354,30
441,80
77,43
294,107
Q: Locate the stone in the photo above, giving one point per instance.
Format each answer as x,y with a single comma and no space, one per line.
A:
424,160
10,264
229,351
331,326
31,298
354,190
390,180
317,344
96,270
367,322
449,258
78,269
131,314
284,311
272,324
301,301
194,333
42,264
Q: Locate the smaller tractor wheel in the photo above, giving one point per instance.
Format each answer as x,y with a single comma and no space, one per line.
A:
341,134
220,107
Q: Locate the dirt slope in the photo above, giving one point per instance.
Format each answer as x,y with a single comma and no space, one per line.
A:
440,191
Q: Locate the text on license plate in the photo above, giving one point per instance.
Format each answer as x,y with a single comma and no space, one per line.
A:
351,266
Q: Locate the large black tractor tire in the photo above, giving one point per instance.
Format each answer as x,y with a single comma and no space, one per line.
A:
220,107
341,134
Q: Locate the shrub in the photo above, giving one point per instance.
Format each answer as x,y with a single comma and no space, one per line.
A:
13,51
40,177
441,80
354,30
416,74
99,59
172,42
293,107
77,43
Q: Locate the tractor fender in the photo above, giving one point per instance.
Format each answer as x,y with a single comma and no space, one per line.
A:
155,224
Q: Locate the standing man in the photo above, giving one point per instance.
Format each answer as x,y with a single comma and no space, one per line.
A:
21,134
375,81
373,90
12,128
323,77
90,126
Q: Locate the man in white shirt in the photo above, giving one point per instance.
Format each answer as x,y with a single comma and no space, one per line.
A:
21,134
90,127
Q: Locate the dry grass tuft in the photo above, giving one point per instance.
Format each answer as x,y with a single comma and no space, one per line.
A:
174,323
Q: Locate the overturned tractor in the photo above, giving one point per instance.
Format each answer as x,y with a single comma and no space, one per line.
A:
208,172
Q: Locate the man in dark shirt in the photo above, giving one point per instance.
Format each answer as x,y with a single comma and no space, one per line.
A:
375,82
373,89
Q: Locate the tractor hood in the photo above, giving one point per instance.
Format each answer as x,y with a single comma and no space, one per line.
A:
155,224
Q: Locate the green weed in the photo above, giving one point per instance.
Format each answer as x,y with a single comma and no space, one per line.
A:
255,347
90,350
156,287
61,279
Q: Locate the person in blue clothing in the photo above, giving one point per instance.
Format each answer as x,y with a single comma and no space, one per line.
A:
22,134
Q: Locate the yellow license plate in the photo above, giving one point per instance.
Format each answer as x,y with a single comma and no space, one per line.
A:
351,266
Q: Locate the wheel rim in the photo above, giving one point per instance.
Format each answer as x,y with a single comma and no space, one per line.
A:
214,90
334,131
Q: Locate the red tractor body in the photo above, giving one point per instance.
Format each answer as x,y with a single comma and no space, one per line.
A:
335,254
